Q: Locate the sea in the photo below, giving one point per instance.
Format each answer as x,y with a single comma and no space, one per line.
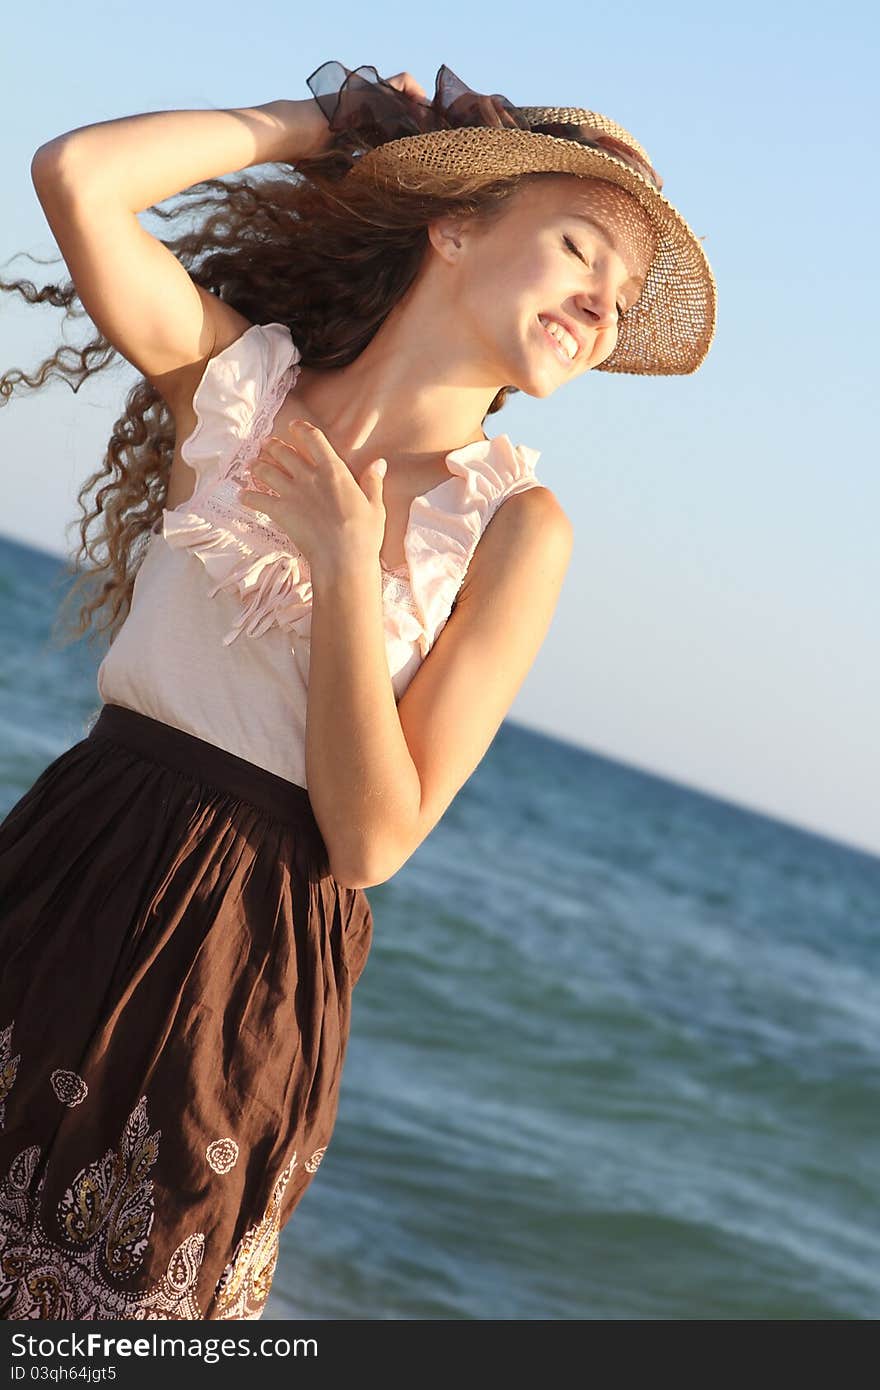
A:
615,1053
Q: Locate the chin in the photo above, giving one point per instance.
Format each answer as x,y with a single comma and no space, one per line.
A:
539,393
549,383
537,384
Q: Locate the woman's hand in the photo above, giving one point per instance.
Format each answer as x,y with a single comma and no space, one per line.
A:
330,516
312,135
406,83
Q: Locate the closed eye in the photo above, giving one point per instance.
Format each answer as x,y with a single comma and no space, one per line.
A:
621,308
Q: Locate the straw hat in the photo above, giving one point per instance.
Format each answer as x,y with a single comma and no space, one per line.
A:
669,329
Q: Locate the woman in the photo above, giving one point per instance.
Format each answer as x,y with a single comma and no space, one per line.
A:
183,910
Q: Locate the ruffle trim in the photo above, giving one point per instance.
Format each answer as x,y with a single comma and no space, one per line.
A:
237,398
247,555
446,524
273,586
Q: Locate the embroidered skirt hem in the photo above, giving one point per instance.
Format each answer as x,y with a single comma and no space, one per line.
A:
177,965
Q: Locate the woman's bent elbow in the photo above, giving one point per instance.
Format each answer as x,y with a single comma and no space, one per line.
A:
367,872
349,880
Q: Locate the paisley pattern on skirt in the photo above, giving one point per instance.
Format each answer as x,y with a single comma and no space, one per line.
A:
178,965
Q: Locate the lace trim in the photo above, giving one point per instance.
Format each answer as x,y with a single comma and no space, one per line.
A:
397,589
396,585
245,553
239,472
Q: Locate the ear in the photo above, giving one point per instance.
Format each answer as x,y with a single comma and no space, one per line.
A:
447,235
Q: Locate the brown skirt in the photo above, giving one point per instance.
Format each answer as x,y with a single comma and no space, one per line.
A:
177,966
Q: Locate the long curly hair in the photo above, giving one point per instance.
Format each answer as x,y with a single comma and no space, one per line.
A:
291,246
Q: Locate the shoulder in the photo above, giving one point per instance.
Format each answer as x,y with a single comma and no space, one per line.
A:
535,514
530,536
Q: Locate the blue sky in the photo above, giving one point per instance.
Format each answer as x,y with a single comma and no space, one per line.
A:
719,619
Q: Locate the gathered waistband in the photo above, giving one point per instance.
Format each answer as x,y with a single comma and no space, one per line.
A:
206,763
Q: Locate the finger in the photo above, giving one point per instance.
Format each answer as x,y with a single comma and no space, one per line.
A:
287,465
314,446
279,444
258,502
266,470
371,480
405,82
502,116
489,111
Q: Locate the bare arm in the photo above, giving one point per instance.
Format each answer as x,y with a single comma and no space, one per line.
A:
93,182
142,160
361,778
381,774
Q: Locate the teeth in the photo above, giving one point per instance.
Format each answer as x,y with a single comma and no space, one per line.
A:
562,336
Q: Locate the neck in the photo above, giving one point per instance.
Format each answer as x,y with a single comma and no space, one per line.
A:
412,396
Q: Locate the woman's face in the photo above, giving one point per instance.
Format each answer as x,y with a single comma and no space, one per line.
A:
565,248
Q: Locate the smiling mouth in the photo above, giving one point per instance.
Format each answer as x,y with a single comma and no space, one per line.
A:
558,348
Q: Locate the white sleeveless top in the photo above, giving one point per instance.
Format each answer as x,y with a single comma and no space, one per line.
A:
216,641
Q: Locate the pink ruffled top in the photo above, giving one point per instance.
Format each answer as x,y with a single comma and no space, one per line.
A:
224,581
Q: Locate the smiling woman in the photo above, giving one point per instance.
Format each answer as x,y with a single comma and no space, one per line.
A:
325,586
609,249
626,229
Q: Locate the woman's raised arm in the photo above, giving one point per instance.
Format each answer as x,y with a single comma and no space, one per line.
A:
142,160
93,182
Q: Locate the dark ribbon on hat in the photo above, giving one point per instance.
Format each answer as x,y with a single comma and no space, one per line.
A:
364,111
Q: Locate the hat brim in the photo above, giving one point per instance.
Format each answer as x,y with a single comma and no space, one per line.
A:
669,329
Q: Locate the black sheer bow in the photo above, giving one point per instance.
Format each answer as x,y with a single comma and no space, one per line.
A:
364,111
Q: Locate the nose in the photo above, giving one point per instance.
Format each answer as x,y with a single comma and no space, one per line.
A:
599,308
